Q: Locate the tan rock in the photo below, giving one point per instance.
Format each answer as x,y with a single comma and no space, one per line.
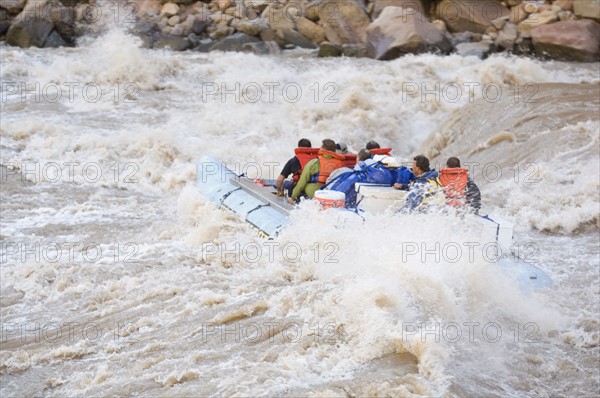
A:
532,6
221,32
13,6
394,34
312,9
279,17
220,18
566,5
466,15
440,25
148,8
198,8
27,31
499,23
169,10
189,21
568,40
178,30
245,13
537,19
379,5
258,5
517,14
587,8
252,28
348,24
230,11
174,20
311,30
223,5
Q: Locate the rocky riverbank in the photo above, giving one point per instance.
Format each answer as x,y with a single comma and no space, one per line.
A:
379,29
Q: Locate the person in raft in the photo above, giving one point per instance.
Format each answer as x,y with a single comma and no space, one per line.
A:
303,154
317,171
425,189
460,190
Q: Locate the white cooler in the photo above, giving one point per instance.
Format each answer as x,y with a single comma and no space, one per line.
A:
377,198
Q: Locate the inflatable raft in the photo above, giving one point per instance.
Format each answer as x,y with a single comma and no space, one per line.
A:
268,213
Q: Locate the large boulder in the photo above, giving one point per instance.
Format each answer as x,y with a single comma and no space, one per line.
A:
169,9
587,8
262,48
379,5
54,40
4,25
310,30
290,36
173,42
31,27
397,32
538,19
234,42
344,21
13,6
279,17
568,40
469,15
328,49
252,28
355,50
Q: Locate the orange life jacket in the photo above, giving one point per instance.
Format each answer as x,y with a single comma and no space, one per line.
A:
304,156
327,165
350,160
454,181
381,151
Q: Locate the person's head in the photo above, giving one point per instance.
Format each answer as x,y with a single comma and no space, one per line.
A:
328,145
453,163
341,147
372,145
364,154
420,165
304,143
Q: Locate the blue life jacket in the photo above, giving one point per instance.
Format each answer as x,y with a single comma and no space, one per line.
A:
403,176
375,173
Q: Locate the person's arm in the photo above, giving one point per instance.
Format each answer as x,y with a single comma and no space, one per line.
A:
310,169
279,185
287,170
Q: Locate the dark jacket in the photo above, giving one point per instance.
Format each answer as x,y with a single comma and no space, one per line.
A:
473,195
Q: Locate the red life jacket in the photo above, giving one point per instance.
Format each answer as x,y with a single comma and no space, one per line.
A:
381,151
327,165
304,156
350,160
454,181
